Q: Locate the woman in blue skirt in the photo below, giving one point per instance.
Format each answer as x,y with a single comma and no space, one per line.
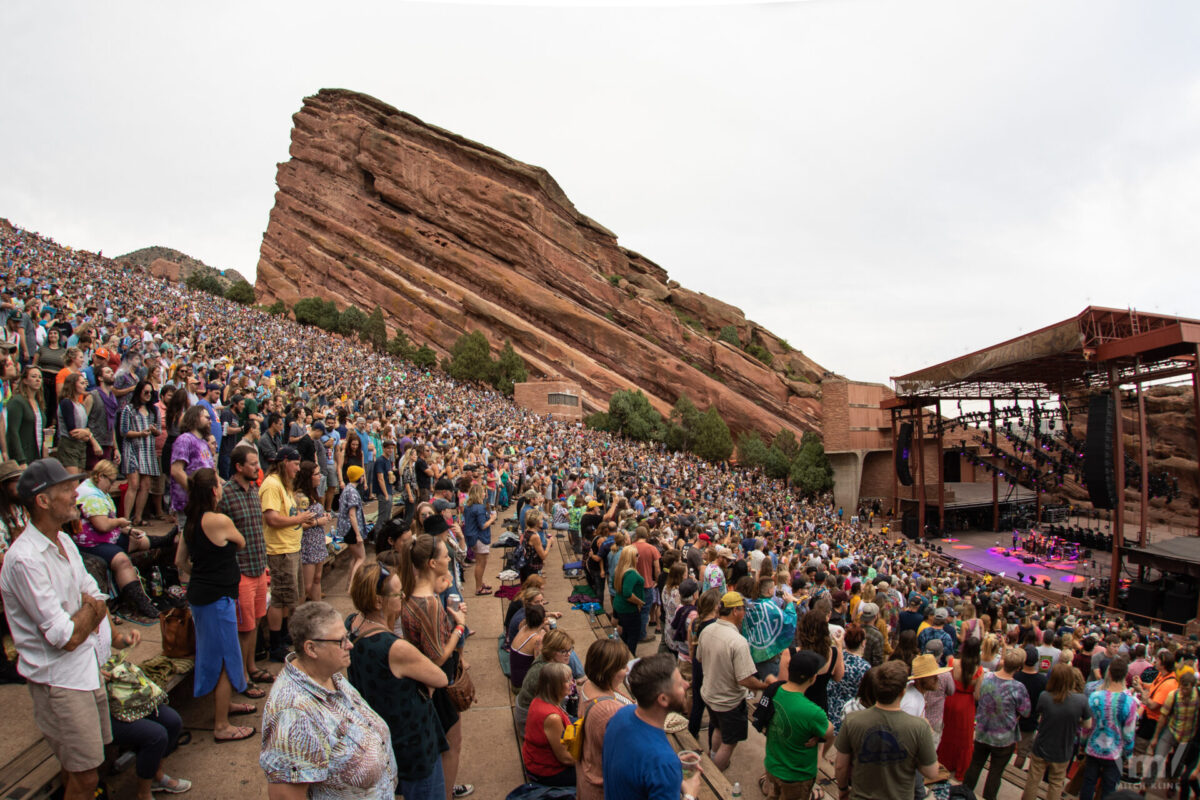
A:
213,541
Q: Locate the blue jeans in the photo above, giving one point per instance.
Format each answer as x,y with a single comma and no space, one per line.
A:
431,787
1106,770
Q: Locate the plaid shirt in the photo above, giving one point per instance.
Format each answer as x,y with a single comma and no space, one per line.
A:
244,508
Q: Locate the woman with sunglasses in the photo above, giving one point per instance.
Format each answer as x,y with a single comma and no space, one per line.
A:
320,737
395,678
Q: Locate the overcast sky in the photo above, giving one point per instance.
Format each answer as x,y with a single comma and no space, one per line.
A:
885,184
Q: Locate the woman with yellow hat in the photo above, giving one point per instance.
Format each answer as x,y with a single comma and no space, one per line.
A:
351,524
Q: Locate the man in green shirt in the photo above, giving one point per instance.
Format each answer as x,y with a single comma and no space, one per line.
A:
795,733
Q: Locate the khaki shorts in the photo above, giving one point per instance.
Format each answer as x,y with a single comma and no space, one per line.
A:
251,601
777,789
75,723
285,579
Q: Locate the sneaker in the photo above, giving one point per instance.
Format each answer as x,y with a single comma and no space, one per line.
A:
171,785
463,789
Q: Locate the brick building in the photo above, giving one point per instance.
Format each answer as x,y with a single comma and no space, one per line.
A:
561,399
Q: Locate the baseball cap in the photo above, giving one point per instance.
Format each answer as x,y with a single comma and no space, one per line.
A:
703,538
868,611
42,475
319,426
732,600
593,504
941,614
688,588
287,453
804,665
435,525
441,505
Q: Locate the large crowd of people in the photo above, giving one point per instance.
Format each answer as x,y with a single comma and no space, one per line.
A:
129,399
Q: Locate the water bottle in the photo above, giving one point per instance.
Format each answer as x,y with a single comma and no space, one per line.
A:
737,789
613,634
156,583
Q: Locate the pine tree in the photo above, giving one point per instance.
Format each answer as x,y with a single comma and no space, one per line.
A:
374,330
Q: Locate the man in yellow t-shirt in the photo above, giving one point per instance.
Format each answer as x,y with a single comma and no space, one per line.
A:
283,528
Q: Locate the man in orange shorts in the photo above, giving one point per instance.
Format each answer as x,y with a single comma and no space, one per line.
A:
240,503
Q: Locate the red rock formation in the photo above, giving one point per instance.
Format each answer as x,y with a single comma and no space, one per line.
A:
161,268
1171,437
450,236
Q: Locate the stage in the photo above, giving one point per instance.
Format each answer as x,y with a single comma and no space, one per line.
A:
989,552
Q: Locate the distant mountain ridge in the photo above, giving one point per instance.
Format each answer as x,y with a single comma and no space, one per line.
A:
185,265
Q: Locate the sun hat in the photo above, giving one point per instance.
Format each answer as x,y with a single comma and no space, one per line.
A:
10,469
925,666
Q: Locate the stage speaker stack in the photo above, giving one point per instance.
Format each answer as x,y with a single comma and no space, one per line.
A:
1145,600
903,446
911,529
1098,458
1180,602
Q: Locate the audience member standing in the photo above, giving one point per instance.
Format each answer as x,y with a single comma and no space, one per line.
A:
58,620
861,770
728,672
1001,702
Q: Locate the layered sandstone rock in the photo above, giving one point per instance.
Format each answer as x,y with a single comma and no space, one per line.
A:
1171,448
450,236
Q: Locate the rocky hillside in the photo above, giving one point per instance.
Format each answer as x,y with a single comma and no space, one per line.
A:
165,262
1171,433
448,236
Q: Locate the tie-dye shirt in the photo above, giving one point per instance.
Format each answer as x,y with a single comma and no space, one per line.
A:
331,740
1001,702
1115,715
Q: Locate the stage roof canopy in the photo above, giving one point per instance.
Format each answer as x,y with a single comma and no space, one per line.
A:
1180,554
1071,355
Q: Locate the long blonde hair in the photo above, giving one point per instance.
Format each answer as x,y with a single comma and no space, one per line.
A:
625,562
991,646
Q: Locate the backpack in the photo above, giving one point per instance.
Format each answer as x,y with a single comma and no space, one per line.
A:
679,627
764,709
573,734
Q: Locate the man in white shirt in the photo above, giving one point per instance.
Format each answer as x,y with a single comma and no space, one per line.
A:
59,624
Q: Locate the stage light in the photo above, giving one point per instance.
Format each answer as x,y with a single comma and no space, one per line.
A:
1020,577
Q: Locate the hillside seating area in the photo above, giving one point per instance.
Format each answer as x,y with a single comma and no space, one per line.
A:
28,768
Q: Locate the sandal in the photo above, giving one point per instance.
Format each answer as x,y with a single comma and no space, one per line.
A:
262,676
483,591
237,738
253,692
242,709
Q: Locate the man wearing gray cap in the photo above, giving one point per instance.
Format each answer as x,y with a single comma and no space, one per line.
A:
875,650
59,622
940,629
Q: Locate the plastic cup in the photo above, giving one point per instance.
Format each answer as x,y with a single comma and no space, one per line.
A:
690,760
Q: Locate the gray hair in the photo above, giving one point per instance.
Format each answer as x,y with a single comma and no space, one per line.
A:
308,620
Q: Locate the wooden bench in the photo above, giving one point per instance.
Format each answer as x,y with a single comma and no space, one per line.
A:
35,772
